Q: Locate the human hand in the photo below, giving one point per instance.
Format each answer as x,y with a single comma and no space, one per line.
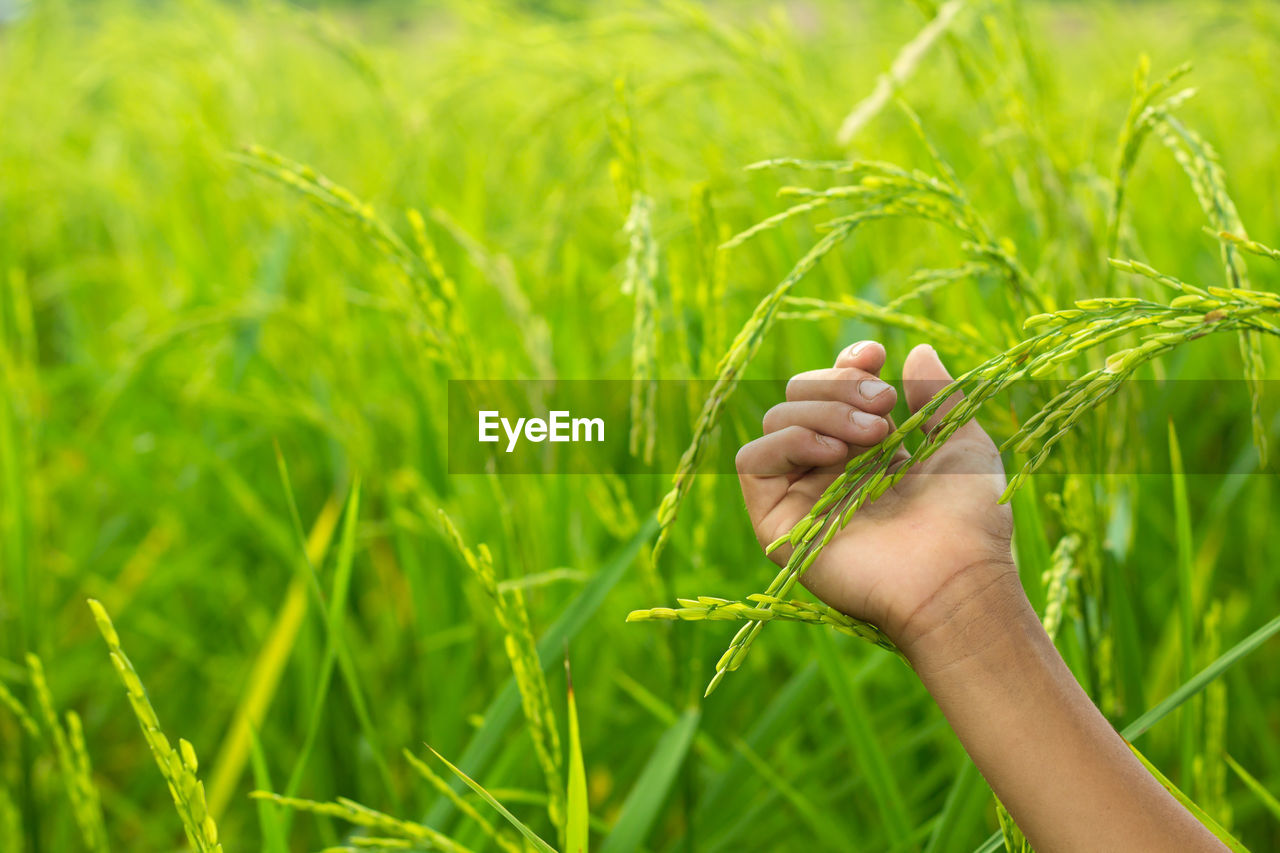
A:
937,538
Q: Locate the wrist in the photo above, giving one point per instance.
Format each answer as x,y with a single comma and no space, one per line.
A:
968,615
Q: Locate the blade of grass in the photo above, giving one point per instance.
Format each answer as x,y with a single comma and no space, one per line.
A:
640,809
815,819
962,809
860,732
337,653
1187,803
578,815
274,839
268,668
528,833
1201,680
783,708
1186,603
502,710
1264,796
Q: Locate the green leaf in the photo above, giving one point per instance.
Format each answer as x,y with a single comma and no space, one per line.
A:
650,791
1186,594
860,733
337,652
273,834
1266,797
962,809
528,833
1189,804
1201,680
578,815
502,710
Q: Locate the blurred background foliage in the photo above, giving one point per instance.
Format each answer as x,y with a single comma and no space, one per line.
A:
169,318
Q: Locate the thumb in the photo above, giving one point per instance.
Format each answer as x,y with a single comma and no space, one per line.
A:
923,377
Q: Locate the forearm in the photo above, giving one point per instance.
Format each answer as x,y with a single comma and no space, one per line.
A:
1065,775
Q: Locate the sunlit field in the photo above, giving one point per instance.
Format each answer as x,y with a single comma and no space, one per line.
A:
245,247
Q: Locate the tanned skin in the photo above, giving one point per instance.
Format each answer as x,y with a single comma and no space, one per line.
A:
930,563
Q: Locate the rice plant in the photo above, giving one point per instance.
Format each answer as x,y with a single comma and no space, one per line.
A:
247,250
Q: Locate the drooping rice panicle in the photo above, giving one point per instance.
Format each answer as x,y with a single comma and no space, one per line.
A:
893,193
925,282
1137,126
361,815
640,282
1244,244
500,272
1066,335
177,766
1200,162
73,761
1057,582
903,67
947,337
707,608
429,295
20,713
741,351
522,652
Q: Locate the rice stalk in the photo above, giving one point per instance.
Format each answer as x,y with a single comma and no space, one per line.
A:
903,67
73,762
20,713
945,337
1138,124
710,609
444,788
1064,336
741,351
361,815
639,282
177,766
522,652
430,296
640,272
1057,582
11,836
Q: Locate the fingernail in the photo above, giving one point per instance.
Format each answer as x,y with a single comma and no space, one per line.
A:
828,441
872,388
853,351
866,420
